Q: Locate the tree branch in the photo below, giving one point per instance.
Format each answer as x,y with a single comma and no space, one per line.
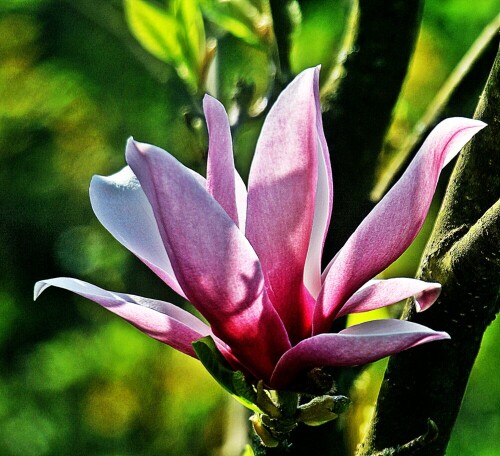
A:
462,254
283,28
358,104
465,83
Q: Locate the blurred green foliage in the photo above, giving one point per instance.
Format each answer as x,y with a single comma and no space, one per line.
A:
175,35
74,84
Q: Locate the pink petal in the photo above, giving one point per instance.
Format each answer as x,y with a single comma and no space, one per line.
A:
380,293
356,345
322,214
220,164
123,209
198,177
322,209
213,261
393,224
158,319
281,198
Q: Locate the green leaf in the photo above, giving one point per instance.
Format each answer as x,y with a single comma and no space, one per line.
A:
190,32
175,36
248,451
241,18
155,29
232,381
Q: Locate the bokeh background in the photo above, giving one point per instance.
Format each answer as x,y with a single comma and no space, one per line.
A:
74,84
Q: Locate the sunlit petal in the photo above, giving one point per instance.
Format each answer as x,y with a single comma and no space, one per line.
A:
123,209
220,162
394,223
380,293
158,319
281,198
213,261
356,345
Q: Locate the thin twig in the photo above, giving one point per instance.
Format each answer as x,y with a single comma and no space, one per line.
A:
468,77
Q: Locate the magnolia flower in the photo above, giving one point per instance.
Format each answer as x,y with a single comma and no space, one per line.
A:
250,261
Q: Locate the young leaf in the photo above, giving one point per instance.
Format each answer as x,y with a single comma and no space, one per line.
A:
232,381
190,32
248,451
241,18
155,29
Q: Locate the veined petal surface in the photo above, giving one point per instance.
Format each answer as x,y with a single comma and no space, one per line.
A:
213,261
355,345
124,210
394,222
158,319
281,199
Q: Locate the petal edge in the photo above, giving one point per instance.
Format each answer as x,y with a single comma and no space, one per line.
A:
355,345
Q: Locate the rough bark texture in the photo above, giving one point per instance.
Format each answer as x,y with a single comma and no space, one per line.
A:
430,381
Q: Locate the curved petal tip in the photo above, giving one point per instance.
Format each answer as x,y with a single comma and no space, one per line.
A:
456,132
427,297
39,288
